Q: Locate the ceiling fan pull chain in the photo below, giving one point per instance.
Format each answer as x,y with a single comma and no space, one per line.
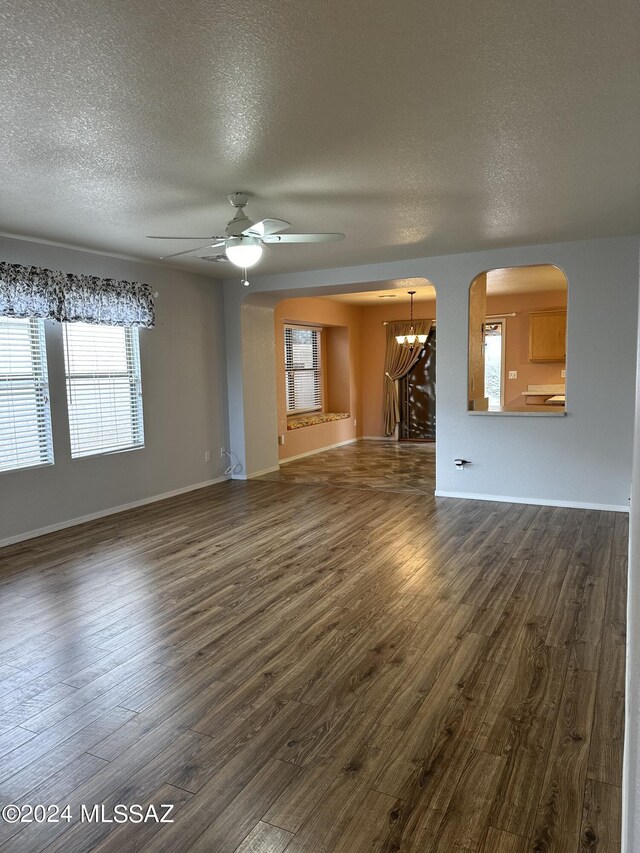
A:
245,280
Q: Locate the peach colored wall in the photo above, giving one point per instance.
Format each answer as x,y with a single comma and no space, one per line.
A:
340,366
338,380
517,342
372,352
354,345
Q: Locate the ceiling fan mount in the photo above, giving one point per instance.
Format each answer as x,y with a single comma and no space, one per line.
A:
238,199
240,221
243,240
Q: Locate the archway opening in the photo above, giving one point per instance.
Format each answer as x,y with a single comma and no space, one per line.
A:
517,341
333,356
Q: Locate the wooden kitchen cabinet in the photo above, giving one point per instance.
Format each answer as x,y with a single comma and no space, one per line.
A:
548,336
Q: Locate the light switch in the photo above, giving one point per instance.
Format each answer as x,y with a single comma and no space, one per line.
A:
563,374
513,374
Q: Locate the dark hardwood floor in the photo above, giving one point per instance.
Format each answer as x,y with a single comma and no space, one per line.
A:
388,465
318,667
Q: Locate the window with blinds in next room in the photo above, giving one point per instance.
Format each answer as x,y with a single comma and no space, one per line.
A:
303,369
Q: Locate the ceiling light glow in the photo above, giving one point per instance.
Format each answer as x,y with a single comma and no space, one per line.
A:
243,251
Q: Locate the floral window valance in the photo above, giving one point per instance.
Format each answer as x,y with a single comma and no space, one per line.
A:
68,298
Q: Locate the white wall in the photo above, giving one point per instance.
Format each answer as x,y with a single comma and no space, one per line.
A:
184,399
631,776
581,459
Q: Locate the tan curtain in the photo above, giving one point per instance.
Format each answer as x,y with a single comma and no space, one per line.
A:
397,363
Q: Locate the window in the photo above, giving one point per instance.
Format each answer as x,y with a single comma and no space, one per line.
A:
493,363
104,392
302,366
25,415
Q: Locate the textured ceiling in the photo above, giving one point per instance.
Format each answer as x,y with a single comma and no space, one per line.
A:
416,128
514,280
508,280
388,291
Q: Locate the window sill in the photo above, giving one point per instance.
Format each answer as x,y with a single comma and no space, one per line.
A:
520,413
300,421
107,452
36,467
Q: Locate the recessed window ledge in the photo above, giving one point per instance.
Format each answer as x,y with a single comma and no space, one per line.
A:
538,412
314,418
20,469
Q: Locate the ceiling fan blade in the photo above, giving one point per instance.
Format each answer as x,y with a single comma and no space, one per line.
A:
302,238
217,259
266,227
156,237
195,249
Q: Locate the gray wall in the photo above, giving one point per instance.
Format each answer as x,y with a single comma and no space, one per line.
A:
184,399
631,779
582,459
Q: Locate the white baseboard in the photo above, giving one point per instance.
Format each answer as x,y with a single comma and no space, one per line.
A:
255,474
82,519
259,473
313,452
534,501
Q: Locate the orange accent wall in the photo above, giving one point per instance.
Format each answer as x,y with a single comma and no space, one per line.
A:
372,351
340,359
517,342
353,350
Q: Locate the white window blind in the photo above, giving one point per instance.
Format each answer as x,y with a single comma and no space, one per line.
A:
104,389
302,366
25,415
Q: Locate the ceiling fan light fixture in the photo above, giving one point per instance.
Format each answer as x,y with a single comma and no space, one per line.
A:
244,240
243,251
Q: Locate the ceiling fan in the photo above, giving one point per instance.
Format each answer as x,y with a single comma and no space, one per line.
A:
243,240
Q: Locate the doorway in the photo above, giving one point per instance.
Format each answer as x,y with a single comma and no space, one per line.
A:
417,391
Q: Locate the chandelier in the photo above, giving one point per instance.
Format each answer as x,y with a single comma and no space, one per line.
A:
411,339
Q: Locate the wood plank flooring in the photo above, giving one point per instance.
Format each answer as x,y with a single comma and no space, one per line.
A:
327,666
388,465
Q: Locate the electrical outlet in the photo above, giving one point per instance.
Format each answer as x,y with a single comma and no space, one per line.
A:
513,374
222,452
281,439
207,456
563,374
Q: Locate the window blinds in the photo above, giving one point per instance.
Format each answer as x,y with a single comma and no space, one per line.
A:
104,390
25,416
302,366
